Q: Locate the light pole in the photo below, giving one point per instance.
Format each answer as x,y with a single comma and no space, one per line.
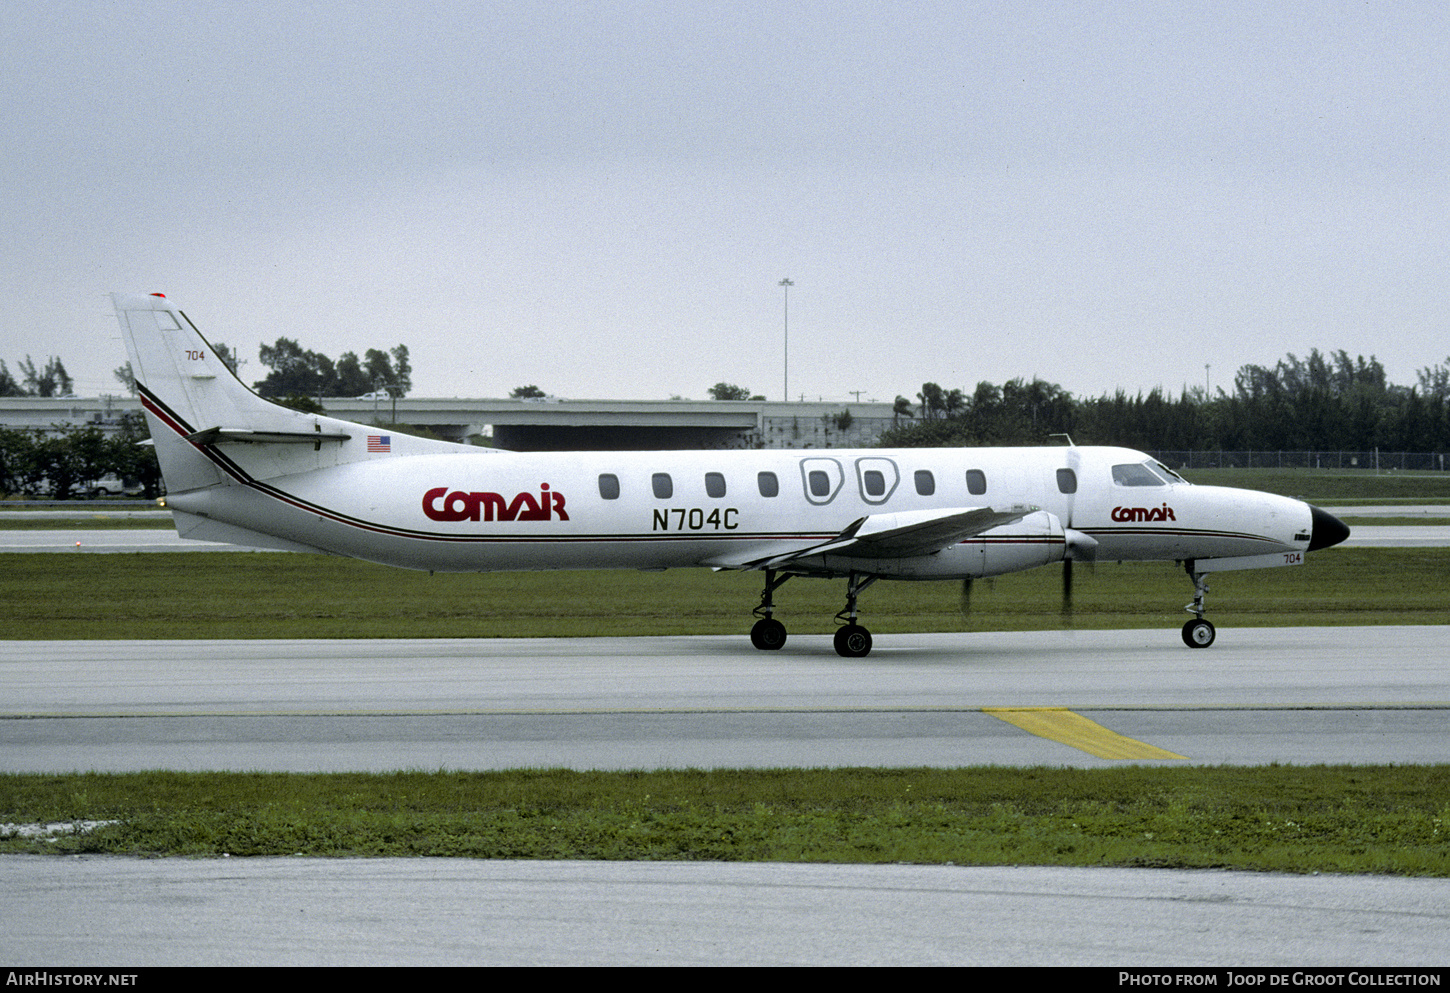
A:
786,284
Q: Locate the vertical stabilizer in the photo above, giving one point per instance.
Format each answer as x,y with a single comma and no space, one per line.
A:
193,401
183,386
183,373
209,428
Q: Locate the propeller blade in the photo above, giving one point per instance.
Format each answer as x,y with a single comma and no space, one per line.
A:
966,596
1066,589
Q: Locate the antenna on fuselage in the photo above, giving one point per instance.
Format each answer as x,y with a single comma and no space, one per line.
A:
1064,434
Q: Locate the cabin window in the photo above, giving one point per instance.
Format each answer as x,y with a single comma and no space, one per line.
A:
715,484
925,482
1136,474
1066,481
609,486
663,485
769,485
976,482
877,478
820,482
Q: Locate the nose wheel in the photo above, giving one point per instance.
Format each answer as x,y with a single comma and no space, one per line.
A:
1197,633
853,641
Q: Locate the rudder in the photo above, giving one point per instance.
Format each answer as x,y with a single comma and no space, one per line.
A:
186,388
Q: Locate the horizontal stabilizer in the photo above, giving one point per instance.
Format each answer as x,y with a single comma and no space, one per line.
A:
212,436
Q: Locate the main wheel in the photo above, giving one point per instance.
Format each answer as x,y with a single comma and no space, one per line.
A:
853,641
768,634
1198,633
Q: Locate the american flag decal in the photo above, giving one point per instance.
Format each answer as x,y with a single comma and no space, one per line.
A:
380,442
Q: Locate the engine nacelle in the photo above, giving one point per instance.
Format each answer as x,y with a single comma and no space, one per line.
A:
1035,540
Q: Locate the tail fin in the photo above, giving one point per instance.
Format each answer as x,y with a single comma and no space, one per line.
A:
195,403
183,385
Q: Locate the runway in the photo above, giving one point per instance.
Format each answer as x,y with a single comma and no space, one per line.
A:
1298,695
430,912
1259,695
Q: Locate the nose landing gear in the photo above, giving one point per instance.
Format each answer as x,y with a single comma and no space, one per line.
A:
1197,633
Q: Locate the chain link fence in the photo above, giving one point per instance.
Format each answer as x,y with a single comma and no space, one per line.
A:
1374,461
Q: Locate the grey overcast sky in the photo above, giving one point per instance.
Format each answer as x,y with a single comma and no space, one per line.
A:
601,198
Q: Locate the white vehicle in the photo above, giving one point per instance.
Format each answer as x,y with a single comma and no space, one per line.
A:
241,469
109,486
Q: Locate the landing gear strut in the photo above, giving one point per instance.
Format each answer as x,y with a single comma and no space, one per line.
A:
768,634
1197,633
852,640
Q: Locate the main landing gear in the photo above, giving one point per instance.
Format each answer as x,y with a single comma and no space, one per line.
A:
1197,633
768,634
852,640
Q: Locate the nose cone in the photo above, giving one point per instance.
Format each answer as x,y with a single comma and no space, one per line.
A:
1328,529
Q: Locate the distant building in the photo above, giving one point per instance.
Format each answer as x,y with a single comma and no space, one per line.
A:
552,425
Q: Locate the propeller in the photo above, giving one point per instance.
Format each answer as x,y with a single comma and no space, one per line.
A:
1067,591
966,597
1080,547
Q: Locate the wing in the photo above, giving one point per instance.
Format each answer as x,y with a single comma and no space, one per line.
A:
890,536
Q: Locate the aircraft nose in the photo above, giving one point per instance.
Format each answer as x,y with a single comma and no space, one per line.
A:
1328,529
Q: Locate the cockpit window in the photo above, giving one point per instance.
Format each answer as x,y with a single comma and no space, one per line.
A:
1167,473
1137,474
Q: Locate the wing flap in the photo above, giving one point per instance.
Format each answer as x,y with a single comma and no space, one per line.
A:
890,536
917,532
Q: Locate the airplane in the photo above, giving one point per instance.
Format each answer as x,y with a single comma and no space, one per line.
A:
241,469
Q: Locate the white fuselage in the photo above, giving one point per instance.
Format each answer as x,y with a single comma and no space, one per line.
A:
465,510
243,470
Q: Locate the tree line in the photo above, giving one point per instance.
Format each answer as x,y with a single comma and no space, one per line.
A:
1320,403
63,465
66,461
297,371
50,380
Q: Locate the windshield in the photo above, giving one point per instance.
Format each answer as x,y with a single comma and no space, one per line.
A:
1173,477
1142,474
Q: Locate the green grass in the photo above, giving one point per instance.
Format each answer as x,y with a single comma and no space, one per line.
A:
280,595
1373,819
1339,486
1424,520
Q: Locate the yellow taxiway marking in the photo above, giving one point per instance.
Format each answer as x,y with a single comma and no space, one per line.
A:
1061,724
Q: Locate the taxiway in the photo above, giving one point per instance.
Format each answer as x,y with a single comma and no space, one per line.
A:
1366,694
